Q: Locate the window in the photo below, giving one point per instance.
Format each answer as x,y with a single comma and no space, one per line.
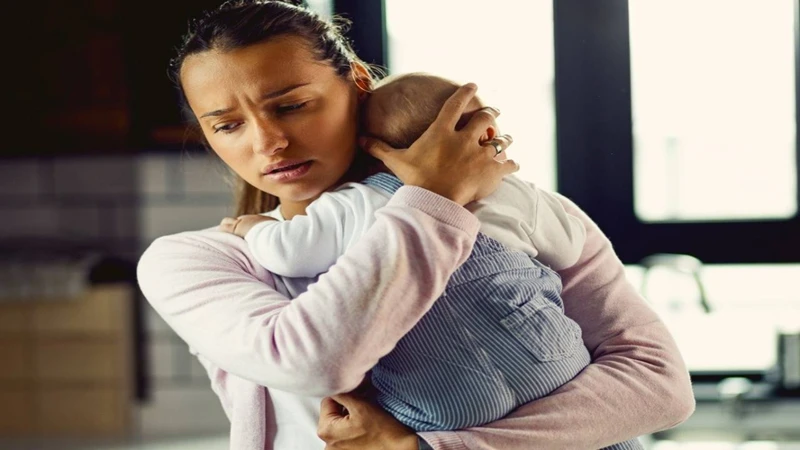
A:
750,304
677,125
322,7
510,59
713,92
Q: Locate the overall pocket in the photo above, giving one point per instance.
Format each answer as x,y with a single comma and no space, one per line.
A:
543,329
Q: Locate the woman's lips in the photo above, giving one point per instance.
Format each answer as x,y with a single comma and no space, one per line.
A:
291,173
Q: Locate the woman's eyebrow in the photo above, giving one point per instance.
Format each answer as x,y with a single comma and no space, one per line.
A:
267,96
283,91
217,112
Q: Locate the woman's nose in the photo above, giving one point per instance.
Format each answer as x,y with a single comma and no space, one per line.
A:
268,138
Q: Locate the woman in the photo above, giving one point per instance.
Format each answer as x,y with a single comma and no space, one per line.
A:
276,93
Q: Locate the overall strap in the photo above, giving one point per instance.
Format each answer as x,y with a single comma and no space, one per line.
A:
384,181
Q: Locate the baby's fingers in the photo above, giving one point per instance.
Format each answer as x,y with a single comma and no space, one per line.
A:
228,224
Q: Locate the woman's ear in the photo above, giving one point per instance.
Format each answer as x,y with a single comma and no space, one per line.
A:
361,78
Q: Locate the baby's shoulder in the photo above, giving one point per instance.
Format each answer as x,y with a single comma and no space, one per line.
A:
358,190
514,191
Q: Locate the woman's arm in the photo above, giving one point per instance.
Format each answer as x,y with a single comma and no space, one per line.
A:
637,383
215,296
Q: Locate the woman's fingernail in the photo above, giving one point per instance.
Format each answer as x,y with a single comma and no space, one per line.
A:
471,86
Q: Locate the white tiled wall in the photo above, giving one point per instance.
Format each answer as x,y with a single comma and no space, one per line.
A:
32,220
122,203
19,178
178,193
95,177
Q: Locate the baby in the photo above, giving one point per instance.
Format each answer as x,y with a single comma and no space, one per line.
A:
498,337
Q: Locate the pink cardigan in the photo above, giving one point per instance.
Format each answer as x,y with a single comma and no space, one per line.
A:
210,290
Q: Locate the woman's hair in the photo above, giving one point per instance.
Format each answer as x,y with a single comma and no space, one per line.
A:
240,23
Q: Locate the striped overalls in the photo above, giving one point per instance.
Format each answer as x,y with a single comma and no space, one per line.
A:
496,339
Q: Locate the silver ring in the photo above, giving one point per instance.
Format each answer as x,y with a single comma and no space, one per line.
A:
498,146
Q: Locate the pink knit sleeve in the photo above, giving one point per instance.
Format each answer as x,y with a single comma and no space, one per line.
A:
637,383
213,294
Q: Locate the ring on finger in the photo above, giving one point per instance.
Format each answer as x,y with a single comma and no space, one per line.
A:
498,146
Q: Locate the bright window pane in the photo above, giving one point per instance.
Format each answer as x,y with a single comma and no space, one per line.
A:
322,7
510,59
741,331
714,109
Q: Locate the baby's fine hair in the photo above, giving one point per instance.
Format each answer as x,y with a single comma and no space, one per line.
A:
402,107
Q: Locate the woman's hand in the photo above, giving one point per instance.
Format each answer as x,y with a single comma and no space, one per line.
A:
350,422
449,162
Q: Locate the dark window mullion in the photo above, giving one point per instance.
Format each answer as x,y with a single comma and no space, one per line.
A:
593,110
368,30
595,147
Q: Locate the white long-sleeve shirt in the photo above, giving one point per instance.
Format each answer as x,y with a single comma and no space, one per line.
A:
517,214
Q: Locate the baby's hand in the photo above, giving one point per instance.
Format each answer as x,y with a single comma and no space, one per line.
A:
242,224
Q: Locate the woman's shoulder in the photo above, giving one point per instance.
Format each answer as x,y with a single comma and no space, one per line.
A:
199,246
205,240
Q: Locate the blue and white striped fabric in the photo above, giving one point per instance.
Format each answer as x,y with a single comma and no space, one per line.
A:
496,339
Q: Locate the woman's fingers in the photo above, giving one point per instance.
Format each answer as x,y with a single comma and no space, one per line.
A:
331,409
394,159
459,165
508,166
376,147
480,121
454,107
388,155
497,146
352,404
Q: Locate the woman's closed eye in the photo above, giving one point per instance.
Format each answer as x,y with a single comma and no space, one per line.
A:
227,128
293,107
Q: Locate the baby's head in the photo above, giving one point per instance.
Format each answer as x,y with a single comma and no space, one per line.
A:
402,107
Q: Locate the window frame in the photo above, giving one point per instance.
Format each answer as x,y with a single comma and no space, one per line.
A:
368,32
595,166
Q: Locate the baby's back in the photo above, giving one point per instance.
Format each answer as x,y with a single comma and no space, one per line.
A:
496,339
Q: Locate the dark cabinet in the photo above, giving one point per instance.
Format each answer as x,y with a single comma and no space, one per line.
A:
90,76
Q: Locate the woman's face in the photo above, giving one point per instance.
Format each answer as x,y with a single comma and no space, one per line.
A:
282,120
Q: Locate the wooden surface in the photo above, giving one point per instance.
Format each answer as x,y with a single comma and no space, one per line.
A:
67,365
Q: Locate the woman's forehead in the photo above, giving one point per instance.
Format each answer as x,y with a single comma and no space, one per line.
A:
272,64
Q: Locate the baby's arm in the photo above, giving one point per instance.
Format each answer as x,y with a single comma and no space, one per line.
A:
307,246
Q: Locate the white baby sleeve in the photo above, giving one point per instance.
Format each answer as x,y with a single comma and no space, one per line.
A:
308,245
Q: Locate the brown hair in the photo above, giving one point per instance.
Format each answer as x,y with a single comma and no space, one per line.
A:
241,23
